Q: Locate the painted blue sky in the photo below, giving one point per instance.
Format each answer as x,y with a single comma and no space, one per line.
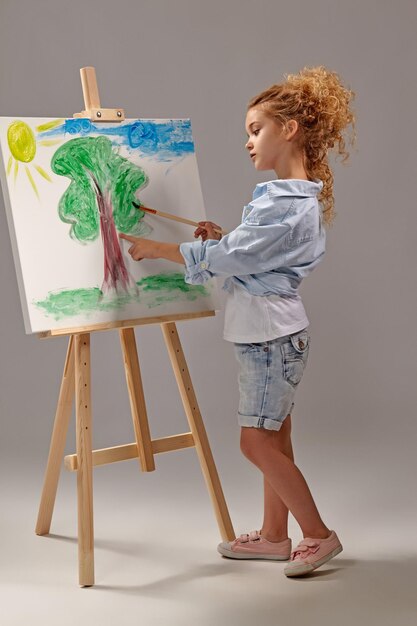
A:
163,140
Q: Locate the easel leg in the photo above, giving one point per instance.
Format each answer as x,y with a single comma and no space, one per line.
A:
57,446
137,399
198,430
84,457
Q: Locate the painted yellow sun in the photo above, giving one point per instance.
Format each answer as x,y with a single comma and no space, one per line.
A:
22,144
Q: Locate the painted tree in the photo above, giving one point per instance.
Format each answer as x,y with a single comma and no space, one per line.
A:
99,200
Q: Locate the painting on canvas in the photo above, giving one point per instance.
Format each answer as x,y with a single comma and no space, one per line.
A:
69,186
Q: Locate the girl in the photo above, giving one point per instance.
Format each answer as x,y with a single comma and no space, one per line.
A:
291,127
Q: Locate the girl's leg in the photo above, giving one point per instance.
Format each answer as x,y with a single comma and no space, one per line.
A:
259,446
275,524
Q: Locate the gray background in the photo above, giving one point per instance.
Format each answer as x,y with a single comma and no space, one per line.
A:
354,419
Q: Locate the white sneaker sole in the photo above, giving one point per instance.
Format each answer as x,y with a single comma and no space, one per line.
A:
306,568
225,551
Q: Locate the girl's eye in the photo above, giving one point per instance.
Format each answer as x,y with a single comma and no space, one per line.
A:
255,132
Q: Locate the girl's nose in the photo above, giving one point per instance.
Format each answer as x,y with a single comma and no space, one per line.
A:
248,144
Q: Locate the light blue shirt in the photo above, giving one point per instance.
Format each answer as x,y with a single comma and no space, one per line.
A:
279,242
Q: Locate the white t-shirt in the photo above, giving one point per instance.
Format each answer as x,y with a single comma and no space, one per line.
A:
252,319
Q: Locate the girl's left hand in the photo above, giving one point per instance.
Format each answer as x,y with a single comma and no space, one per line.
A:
141,248
206,230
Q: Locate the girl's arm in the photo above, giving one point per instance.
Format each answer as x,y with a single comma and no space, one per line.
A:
246,250
148,249
251,248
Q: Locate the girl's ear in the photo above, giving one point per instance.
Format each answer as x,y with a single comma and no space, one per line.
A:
291,129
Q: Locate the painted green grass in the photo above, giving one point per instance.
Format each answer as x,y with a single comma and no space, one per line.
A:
153,291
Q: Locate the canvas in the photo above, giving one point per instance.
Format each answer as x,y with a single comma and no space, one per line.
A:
69,187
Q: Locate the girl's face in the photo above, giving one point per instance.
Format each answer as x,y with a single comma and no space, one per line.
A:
266,142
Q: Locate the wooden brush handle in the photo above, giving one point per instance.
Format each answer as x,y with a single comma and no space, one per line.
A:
176,218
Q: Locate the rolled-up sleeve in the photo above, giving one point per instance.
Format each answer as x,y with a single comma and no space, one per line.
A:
249,249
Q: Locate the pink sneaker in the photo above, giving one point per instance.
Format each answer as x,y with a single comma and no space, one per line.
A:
312,553
254,546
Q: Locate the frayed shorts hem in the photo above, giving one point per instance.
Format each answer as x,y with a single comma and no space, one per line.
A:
262,422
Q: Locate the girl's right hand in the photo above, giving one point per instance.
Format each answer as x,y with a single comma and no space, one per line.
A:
206,230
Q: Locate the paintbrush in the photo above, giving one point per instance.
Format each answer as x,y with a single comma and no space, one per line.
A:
169,216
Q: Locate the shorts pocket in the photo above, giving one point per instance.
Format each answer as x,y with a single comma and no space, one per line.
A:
294,356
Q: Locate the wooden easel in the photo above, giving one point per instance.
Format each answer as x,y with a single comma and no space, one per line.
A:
76,381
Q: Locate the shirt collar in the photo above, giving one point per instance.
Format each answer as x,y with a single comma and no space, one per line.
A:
289,187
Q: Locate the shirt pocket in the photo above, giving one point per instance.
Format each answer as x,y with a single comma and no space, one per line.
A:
305,230
246,211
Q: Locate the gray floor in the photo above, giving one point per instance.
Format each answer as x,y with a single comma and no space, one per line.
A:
156,560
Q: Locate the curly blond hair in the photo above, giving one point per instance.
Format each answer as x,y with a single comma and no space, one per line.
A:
317,100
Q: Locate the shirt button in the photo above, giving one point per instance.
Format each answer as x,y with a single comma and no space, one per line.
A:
203,265
301,344
266,349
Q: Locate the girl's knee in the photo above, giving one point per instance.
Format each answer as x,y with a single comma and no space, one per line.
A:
253,441
247,446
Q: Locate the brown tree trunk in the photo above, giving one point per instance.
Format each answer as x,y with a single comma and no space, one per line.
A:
117,278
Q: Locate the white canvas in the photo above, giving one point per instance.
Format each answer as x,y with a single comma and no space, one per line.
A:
60,274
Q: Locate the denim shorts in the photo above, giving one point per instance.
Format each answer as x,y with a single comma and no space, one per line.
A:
269,374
